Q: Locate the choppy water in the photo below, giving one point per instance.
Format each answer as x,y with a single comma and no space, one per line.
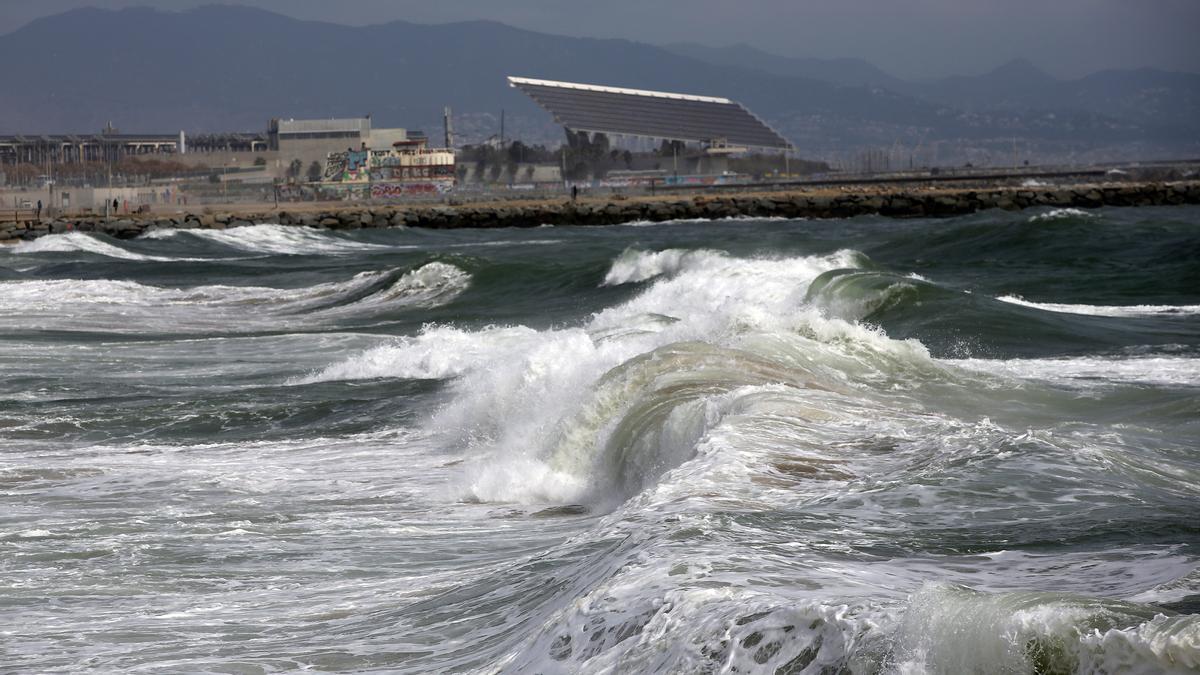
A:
868,446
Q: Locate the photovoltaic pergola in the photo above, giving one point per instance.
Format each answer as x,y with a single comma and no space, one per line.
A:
650,114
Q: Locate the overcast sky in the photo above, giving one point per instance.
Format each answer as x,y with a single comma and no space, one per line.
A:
910,38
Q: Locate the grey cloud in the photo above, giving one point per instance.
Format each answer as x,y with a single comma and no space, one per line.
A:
911,38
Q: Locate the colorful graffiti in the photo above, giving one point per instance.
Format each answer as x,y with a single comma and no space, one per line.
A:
356,162
335,165
397,190
418,173
346,166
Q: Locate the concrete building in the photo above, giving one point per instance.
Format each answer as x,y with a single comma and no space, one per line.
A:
289,144
309,141
285,142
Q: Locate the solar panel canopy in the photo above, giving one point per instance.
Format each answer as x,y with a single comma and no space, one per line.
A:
652,114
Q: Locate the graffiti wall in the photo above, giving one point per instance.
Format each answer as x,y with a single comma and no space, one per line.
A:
399,190
335,165
347,166
417,173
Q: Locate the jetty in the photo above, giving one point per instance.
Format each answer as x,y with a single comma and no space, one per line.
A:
828,202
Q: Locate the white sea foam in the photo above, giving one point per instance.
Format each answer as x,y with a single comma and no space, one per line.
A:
82,242
437,353
531,405
121,306
1162,645
634,266
641,621
278,240
1105,310
507,242
953,629
51,294
693,221
681,615
62,292
1061,214
1095,371
431,285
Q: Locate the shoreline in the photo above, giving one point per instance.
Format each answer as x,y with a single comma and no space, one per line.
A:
618,209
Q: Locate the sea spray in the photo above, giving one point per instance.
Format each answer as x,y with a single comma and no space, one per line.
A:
110,304
752,450
275,240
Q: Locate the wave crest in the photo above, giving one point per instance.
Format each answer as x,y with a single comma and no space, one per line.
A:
635,266
112,304
599,411
276,240
1105,310
1062,214
71,242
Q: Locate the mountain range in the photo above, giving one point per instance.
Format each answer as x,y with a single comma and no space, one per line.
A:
1158,100
226,68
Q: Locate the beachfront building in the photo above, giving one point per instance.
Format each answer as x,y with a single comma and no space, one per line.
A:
290,148
408,168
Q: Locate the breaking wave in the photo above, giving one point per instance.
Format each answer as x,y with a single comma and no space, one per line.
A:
1106,310
941,628
1094,371
276,240
687,221
112,304
71,242
1062,214
582,413
686,460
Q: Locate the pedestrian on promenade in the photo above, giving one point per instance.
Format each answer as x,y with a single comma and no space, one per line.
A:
116,207
39,211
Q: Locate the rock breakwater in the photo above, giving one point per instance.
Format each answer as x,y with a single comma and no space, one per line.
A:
596,211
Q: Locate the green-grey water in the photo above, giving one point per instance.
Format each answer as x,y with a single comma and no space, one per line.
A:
968,445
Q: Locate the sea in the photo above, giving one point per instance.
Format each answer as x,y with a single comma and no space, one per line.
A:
963,445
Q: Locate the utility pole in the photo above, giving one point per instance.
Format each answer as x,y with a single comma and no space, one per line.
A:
502,128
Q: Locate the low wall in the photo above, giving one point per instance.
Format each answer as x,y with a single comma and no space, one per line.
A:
840,204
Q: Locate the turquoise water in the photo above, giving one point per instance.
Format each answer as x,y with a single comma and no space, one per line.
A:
780,446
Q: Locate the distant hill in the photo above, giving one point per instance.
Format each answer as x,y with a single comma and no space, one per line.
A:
1164,103
1016,85
847,72
225,68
